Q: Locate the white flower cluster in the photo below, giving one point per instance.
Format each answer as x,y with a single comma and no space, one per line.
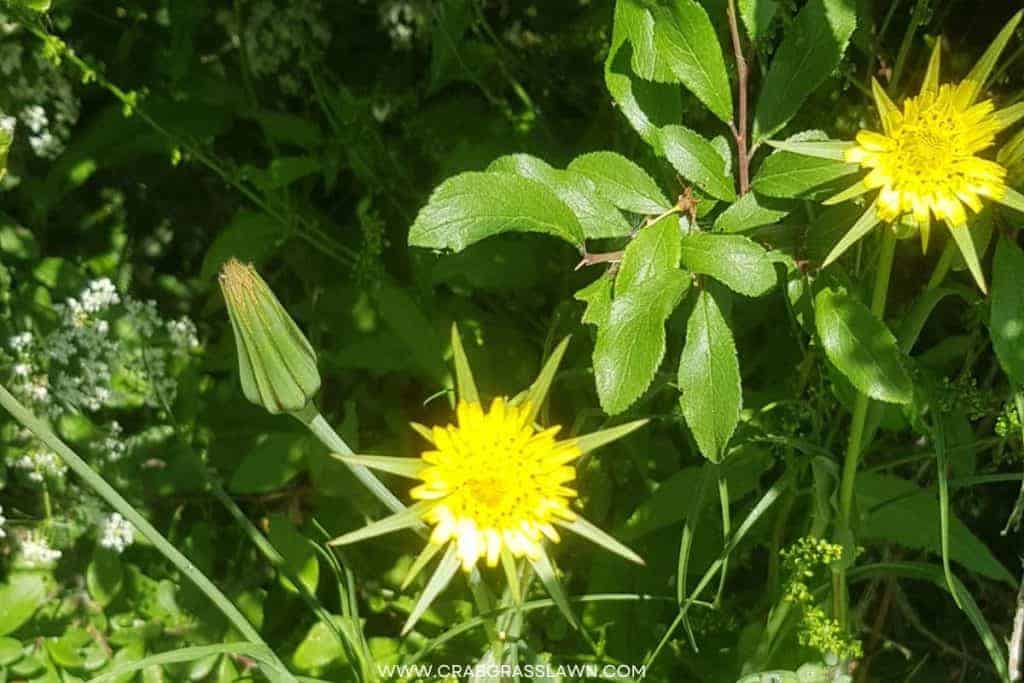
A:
183,333
113,446
36,550
37,89
279,37
41,464
117,534
403,20
28,383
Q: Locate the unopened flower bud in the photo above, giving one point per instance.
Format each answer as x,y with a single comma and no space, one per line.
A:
276,363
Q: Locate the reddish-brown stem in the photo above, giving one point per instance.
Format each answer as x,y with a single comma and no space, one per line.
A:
594,259
739,129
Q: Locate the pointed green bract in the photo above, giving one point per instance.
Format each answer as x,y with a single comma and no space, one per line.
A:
595,440
1012,199
465,385
509,566
546,572
422,560
438,582
862,227
539,389
962,236
1004,118
403,467
595,535
931,76
886,107
276,363
821,149
975,81
856,190
405,519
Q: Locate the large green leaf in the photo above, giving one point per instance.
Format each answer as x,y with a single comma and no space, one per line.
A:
20,596
621,182
598,216
736,261
631,342
810,52
676,42
273,462
757,16
748,212
647,106
1007,320
900,511
861,347
709,379
472,206
698,161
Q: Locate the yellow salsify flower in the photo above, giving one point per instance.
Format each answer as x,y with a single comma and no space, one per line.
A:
926,160
494,486
498,482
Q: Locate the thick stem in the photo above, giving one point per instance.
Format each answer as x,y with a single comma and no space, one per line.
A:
740,128
855,445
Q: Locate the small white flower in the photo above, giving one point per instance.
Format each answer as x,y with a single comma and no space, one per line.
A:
39,388
22,370
3,520
118,533
40,464
34,116
99,295
36,551
20,342
7,123
183,333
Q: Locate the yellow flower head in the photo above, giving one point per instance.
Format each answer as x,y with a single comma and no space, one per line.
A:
926,162
497,481
495,486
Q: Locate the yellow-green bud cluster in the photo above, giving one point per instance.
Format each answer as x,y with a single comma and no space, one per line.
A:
817,630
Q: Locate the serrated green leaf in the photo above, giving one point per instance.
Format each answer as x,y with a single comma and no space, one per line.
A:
698,161
861,347
622,182
746,213
472,206
757,16
631,344
599,217
598,298
676,42
736,261
810,51
647,106
709,379
1007,321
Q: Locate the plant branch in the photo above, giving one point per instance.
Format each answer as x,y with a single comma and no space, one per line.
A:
739,129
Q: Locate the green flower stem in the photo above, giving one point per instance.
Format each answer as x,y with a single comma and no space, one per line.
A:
316,423
943,265
855,445
723,499
116,501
